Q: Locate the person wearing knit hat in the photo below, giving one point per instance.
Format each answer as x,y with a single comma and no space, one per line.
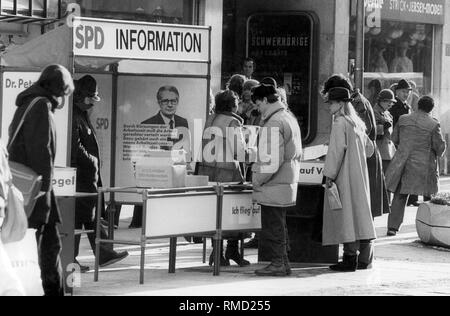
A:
36,149
275,180
385,126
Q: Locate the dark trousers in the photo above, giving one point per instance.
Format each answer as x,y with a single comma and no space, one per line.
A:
85,218
361,248
274,233
397,215
49,250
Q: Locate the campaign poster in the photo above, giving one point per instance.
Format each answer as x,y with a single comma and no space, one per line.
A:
154,113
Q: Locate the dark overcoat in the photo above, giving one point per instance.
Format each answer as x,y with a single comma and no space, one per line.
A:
379,199
35,147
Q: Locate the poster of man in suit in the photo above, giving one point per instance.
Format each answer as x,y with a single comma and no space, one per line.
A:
156,114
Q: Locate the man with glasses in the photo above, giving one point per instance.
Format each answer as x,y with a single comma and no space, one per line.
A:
168,100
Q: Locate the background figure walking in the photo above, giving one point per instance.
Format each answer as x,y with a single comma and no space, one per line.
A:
346,165
35,147
414,169
86,158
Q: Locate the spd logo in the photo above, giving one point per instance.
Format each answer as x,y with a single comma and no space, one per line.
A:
89,37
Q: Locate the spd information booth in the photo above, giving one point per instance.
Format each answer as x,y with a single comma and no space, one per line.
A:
130,61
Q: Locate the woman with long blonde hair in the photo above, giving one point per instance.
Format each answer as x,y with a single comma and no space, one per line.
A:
346,167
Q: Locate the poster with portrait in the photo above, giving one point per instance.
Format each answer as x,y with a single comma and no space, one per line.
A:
156,113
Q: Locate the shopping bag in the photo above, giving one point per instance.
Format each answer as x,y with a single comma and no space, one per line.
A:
28,182
23,256
10,284
332,195
15,224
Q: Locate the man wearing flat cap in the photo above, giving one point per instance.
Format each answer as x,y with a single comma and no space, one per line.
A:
276,176
86,158
402,92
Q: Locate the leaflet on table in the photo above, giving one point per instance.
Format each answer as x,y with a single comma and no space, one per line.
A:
312,165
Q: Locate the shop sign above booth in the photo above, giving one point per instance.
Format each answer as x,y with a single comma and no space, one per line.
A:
127,40
416,11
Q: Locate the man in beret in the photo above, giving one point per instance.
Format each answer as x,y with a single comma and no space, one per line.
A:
276,176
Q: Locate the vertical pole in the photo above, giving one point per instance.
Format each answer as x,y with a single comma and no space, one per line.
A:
218,236
172,254
359,69
112,208
143,235
97,235
204,250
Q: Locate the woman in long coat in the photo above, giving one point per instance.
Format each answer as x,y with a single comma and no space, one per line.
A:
379,199
346,165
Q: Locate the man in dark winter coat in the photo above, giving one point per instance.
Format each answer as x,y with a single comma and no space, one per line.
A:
402,93
86,158
35,147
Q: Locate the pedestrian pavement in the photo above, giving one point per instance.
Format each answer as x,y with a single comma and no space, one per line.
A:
403,266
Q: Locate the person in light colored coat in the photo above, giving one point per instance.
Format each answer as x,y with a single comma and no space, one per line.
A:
346,166
414,169
276,175
224,148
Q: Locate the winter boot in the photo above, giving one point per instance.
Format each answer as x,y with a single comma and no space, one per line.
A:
232,253
223,262
348,264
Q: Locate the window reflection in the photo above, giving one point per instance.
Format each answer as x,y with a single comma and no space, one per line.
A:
160,11
394,51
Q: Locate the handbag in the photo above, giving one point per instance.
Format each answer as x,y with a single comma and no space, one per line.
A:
24,178
334,200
